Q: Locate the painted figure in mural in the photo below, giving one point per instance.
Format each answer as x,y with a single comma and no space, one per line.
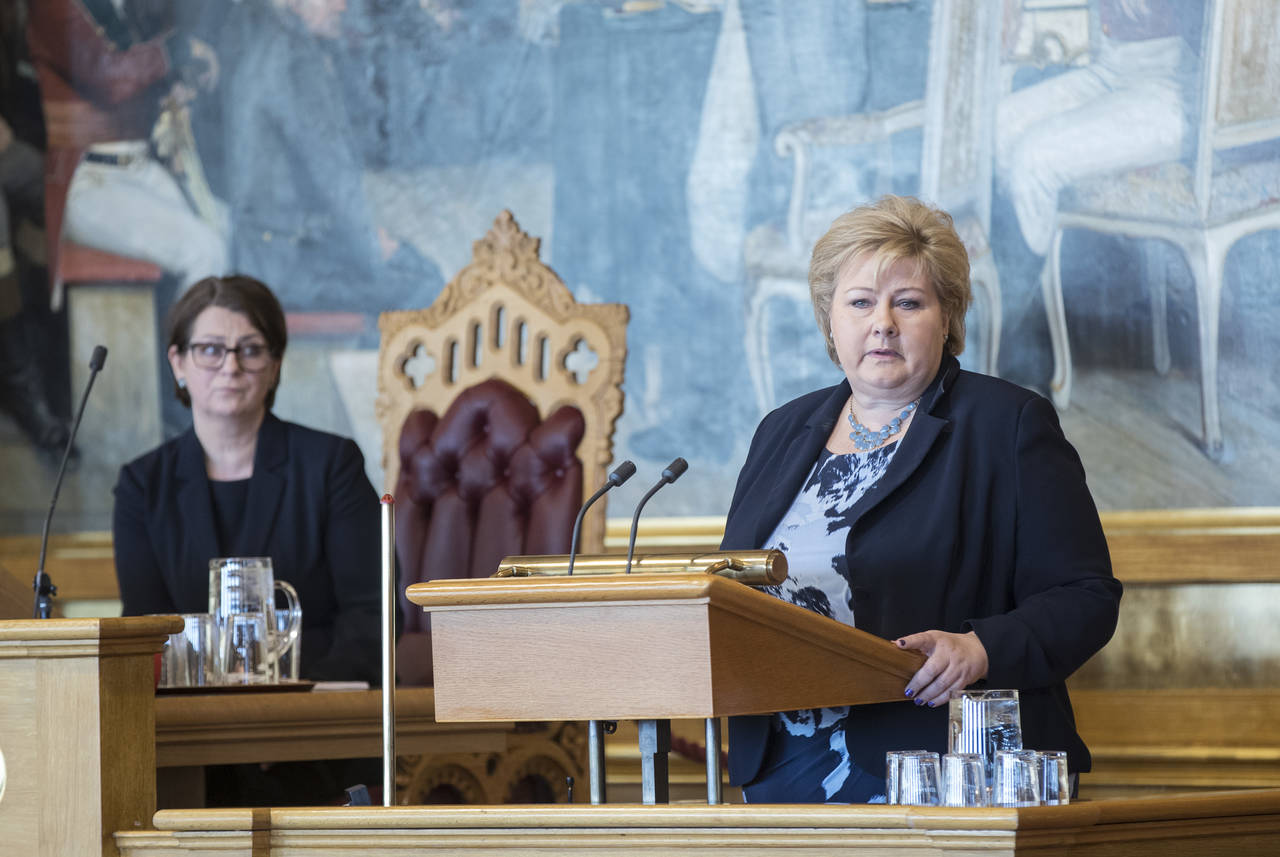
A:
1129,107
110,70
241,482
23,391
293,171
962,529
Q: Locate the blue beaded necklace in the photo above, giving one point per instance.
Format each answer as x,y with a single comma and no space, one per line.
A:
864,438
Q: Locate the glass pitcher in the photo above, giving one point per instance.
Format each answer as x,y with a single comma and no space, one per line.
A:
242,587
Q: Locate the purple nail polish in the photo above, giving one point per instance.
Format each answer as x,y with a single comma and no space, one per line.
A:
933,705
910,692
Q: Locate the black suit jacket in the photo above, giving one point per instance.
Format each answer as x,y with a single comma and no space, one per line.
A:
982,522
310,508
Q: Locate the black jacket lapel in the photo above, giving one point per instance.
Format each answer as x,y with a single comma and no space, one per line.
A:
194,515
798,461
266,487
917,442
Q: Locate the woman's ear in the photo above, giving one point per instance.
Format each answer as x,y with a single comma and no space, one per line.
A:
175,362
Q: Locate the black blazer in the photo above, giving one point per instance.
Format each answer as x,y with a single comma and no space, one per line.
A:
310,508
982,522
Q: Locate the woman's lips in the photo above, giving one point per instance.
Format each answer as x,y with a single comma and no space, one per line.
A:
883,353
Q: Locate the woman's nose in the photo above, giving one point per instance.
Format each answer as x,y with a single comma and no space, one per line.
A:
883,322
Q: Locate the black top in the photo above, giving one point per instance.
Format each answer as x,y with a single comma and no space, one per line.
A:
982,522
229,500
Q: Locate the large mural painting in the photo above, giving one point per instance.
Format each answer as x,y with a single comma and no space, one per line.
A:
1113,166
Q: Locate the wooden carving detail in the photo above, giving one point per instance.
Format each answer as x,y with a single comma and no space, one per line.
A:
507,315
534,769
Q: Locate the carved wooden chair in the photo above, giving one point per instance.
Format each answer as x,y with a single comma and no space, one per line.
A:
497,405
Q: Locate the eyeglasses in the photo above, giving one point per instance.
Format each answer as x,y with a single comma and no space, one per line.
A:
252,356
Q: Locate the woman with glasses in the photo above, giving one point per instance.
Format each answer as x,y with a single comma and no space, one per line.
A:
242,482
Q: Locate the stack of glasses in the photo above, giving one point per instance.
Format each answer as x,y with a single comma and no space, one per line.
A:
986,765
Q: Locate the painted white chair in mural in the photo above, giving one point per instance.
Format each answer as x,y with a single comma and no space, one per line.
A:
1202,208
956,118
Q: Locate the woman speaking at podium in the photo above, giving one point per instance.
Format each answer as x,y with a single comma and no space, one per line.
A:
935,507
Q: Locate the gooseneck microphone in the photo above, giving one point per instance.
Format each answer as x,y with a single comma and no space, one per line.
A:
669,475
620,474
43,586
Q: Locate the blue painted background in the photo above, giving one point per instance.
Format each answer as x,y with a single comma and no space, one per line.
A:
359,168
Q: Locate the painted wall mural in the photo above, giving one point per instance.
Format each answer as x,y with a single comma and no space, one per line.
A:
1113,166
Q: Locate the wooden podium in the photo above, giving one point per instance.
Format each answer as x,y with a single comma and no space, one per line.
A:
643,646
77,731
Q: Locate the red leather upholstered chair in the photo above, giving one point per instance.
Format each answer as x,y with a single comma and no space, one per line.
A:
528,383
487,480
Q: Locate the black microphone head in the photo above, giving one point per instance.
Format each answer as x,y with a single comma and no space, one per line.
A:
675,469
622,473
99,358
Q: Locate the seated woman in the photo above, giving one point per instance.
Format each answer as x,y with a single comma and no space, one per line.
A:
937,508
241,482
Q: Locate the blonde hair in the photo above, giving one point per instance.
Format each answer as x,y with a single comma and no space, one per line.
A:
893,229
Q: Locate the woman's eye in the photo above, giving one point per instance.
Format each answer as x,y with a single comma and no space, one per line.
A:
909,303
210,350
860,303
251,351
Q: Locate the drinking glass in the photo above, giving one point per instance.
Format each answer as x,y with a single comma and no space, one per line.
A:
964,780
918,779
985,722
244,585
244,656
893,771
1017,780
288,622
1055,787
189,655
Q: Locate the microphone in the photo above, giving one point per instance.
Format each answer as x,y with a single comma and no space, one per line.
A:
43,586
672,472
620,474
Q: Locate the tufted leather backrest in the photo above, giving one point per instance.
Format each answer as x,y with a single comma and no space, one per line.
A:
507,315
487,480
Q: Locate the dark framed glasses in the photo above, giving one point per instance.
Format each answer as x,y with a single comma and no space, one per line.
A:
252,356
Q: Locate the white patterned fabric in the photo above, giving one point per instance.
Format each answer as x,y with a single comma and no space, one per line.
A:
812,535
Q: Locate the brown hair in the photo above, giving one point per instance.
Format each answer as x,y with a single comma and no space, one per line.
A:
894,228
237,293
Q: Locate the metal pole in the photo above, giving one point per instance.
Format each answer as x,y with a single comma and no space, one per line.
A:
714,795
388,650
655,744
595,760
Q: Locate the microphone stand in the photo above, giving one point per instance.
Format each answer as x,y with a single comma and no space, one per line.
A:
620,474
672,472
655,735
596,729
43,585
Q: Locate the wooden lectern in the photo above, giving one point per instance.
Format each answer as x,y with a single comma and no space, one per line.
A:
648,647
641,646
77,732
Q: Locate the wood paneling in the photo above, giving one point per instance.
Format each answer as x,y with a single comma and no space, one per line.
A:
76,727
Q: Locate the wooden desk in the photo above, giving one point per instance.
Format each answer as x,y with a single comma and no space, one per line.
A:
224,728
1218,823
228,728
